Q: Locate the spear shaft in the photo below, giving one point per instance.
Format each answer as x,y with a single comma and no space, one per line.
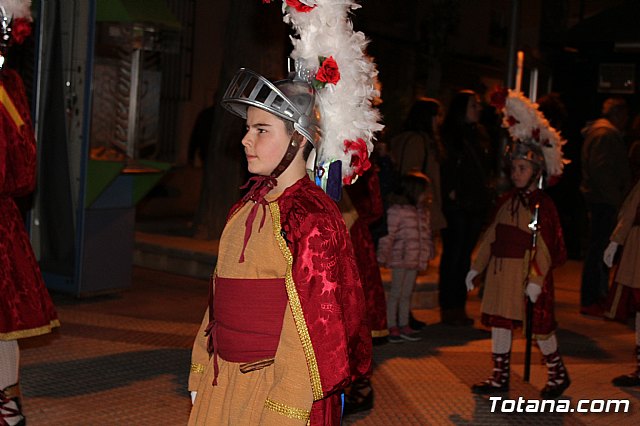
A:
533,226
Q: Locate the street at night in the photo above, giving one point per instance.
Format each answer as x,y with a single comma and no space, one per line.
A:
124,359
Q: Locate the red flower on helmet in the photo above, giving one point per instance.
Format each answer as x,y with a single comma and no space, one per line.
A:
499,97
20,29
299,6
359,158
328,71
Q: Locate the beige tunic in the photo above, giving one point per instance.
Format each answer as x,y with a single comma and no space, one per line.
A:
279,394
627,234
505,277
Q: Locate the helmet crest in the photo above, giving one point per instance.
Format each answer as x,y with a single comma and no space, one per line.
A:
533,137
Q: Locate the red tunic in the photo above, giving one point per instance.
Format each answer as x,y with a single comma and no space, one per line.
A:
25,305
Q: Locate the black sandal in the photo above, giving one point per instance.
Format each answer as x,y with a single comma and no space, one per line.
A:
358,397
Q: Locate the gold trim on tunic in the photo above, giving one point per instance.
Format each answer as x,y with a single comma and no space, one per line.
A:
197,368
285,410
296,307
7,102
21,334
379,333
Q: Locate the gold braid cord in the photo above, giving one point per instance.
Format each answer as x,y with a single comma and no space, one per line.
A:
296,307
197,368
285,410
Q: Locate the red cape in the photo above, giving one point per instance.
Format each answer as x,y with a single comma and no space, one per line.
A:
25,306
327,283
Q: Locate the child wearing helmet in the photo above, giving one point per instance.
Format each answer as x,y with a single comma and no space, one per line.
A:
517,268
285,330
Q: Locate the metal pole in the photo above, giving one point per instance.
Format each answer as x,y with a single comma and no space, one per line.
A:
509,80
513,43
133,104
533,85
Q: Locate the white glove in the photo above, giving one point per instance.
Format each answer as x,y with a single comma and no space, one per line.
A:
609,253
533,291
193,397
469,280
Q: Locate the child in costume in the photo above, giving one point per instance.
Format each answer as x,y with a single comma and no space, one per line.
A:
624,294
366,199
26,309
516,267
406,249
286,330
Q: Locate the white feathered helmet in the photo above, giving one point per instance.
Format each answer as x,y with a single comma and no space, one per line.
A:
533,137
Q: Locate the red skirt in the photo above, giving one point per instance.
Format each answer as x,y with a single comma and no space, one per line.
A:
623,302
26,308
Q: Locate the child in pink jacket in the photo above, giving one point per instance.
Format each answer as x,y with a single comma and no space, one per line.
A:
406,249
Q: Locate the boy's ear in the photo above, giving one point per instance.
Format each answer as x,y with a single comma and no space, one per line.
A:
298,139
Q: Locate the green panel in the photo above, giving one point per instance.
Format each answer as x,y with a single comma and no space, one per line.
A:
154,11
100,174
143,182
111,11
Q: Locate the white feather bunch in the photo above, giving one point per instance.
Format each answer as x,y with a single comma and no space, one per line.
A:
17,8
346,109
525,122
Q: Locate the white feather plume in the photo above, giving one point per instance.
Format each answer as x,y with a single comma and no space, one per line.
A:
346,109
524,121
17,8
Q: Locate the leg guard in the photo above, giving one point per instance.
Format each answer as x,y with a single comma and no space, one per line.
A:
631,379
558,380
10,407
499,380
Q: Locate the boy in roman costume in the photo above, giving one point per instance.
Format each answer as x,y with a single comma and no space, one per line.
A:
516,268
286,329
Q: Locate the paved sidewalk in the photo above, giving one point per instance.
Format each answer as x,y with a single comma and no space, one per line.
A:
124,358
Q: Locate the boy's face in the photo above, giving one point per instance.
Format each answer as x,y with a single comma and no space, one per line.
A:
521,173
265,142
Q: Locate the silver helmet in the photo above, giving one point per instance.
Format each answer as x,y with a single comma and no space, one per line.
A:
290,99
529,150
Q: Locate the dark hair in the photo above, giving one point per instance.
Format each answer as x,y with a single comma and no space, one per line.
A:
308,147
288,126
420,118
457,113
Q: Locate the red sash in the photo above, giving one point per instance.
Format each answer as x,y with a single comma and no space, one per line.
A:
511,242
248,317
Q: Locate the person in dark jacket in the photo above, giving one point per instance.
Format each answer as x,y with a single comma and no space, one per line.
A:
606,178
466,200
